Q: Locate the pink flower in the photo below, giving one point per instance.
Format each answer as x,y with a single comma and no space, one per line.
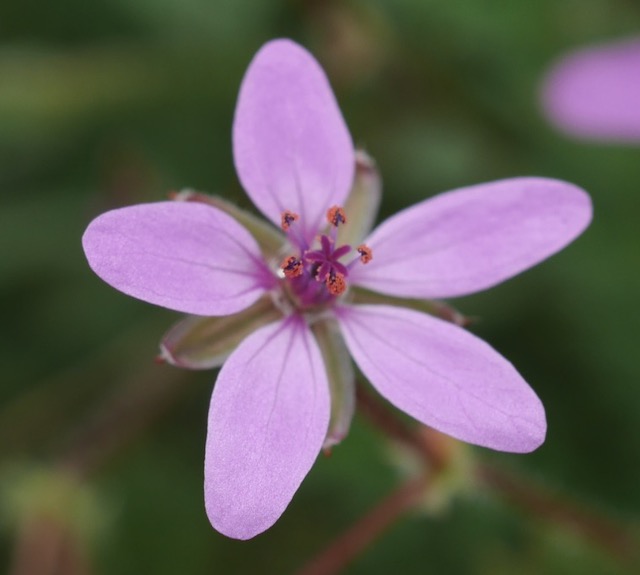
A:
594,93
272,403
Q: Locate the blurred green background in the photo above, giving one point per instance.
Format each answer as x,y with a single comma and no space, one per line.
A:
112,102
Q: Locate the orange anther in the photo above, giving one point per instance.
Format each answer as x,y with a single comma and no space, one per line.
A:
287,218
366,255
335,283
336,216
292,267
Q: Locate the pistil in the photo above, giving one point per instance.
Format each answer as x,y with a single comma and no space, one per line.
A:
315,276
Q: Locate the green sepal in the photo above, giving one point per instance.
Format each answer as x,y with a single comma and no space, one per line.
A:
268,237
438,309
198,342
361,207
341,377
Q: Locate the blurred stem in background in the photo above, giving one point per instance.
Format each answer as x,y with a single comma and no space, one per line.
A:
49,543
53,509
438,454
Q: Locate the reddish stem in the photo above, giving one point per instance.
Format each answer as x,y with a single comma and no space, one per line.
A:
612,537
426,443
45,547
538,501
366,530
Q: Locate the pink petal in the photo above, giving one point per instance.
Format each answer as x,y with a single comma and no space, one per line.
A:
185,256
291,146
473,238
444,376
595,92
268,419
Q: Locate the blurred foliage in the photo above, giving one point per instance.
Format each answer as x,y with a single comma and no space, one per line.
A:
114,102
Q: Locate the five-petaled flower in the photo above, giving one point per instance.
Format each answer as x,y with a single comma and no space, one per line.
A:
294,302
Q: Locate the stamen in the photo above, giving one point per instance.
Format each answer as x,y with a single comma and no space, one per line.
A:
366,255
335,283
287,218
320,275
336,216
292,267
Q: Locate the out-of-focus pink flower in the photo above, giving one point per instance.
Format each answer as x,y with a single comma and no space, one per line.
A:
271,405
594,93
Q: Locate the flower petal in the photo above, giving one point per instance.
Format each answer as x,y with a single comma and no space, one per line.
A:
184,256
268,419
594,92
291,146
473,238
444,376
268,238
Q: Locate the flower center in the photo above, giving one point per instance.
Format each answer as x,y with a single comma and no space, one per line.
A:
315,275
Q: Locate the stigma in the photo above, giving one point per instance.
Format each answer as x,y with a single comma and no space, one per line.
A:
318,274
